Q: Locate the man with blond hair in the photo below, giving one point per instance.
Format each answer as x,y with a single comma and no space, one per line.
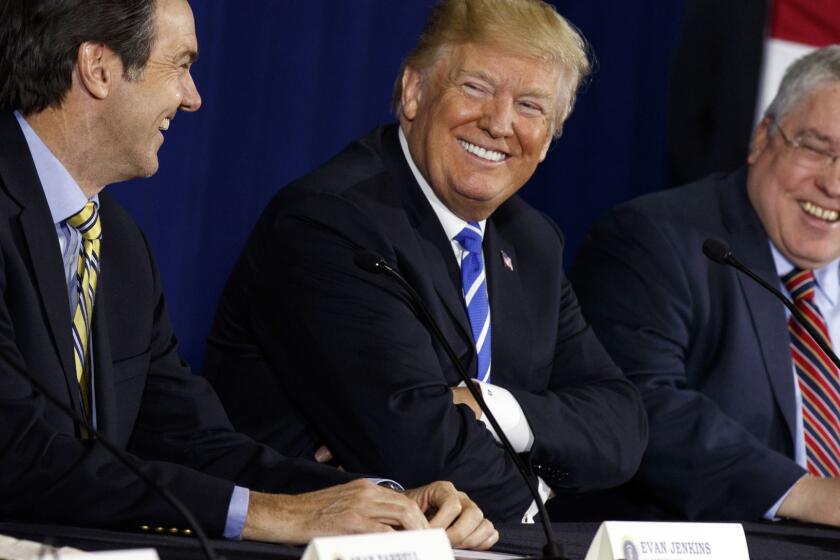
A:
479,101
88,90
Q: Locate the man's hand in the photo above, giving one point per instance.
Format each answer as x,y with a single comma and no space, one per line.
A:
462,395
813,500
452,510
356,507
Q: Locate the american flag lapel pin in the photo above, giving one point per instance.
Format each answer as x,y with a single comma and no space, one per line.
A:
507,260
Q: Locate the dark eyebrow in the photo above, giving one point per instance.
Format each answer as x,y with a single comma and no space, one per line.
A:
186,53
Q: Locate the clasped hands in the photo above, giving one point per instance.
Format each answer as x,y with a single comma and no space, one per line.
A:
362,506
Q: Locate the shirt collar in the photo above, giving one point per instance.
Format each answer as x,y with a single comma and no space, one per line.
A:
64,196
451,223
827,277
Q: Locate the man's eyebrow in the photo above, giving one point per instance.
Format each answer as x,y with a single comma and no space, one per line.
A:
481,75
817,135
187,53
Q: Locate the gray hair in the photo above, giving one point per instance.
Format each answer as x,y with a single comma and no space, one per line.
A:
805,75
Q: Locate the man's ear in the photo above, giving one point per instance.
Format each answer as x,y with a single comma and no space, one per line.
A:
98,69
412,91
759,141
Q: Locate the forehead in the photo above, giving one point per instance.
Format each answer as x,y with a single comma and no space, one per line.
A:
174,28
818,112
526,74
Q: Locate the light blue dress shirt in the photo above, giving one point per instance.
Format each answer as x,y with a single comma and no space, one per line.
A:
65,198
827,299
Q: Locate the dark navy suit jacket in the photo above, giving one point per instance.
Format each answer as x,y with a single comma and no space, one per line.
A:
302,328
147,401
707,347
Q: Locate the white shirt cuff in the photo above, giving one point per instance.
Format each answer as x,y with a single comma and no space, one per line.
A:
545,492
508,413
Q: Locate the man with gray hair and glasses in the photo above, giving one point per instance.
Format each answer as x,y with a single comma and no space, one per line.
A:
744,407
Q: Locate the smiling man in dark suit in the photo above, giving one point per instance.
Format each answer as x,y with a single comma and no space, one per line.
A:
89,87
744,408
317,356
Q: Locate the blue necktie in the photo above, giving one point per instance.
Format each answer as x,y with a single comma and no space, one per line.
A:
475,295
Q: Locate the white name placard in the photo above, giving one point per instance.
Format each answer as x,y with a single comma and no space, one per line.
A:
624,540
430,544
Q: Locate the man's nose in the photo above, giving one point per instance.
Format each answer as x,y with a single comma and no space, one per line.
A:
498,117
829,179
191,99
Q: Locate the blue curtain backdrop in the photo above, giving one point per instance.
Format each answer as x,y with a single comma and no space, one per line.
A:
287,84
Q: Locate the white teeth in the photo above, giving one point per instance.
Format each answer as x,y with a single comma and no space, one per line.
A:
165,124
821,213
489,155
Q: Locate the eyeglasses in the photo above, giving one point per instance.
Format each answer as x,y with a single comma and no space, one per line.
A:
805,153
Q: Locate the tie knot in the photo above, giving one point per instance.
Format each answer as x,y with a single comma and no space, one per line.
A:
800,283
470,238
86,221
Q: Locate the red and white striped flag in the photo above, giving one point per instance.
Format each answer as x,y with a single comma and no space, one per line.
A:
796,27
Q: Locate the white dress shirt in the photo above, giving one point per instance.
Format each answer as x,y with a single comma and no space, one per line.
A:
500,401
827,299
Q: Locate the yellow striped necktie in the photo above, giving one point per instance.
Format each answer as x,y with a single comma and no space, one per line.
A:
86,221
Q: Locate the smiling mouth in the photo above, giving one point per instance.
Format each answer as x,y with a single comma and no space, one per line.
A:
824,214
165,124
478,151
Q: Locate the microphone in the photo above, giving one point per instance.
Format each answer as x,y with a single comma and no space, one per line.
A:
375,264
126,460
719,252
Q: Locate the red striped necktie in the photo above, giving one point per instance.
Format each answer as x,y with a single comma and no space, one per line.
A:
819,383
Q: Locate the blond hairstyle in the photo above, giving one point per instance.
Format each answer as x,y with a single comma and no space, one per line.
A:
530,28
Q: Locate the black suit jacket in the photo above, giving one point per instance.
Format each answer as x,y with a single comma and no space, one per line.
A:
147,401
299,321
707,347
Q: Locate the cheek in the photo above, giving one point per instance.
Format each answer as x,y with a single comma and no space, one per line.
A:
535,140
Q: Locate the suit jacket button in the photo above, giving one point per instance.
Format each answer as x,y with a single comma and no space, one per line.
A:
144,527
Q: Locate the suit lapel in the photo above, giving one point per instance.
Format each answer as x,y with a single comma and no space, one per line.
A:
508,320
439,259
749,243
444,271
21,180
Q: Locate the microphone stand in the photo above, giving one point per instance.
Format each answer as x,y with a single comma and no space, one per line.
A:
719,252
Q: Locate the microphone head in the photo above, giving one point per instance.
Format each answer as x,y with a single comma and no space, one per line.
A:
369,261
717,251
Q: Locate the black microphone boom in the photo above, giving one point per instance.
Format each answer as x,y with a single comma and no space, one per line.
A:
371,262
719,252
